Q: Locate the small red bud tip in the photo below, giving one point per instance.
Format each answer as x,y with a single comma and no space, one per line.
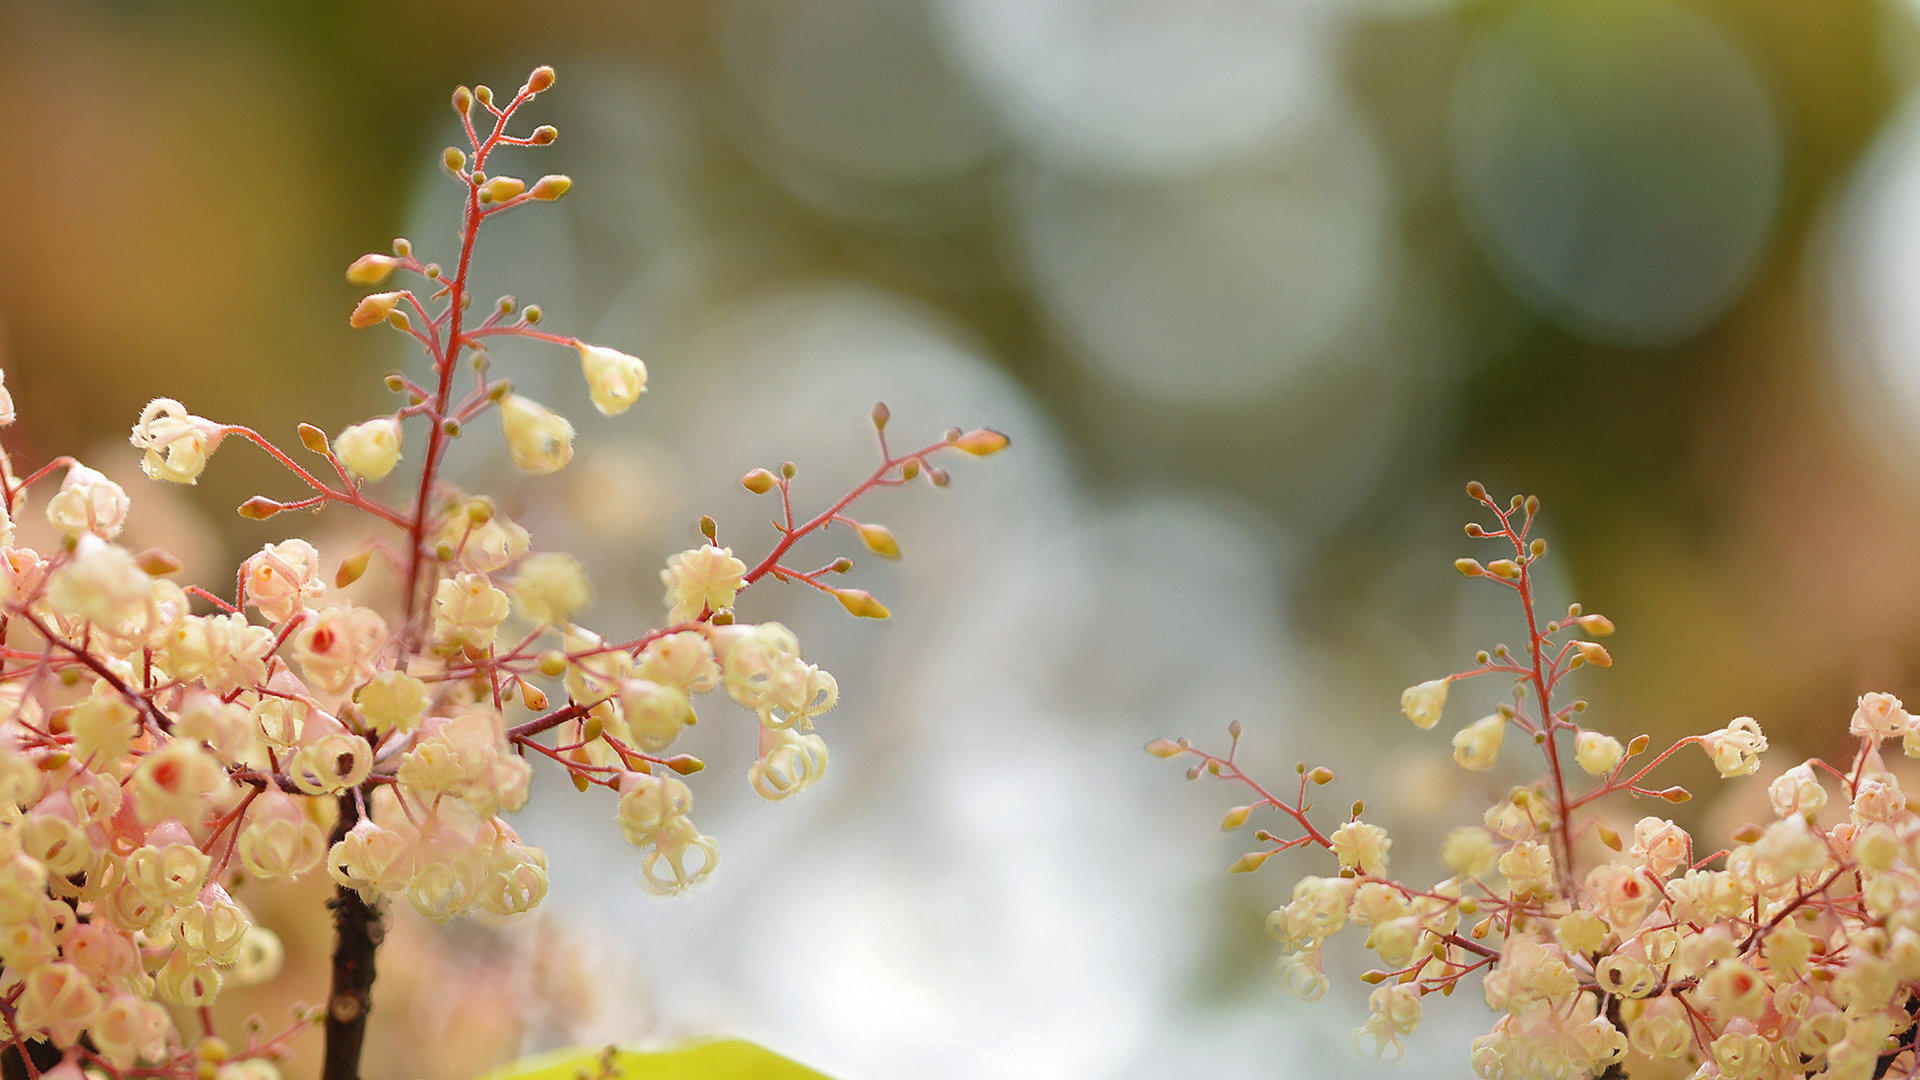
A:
462,100
982,442
938,477
1235,818
372,310
370,269
758,481
708,527
1163,748
861,603
1638,745
1477,491
1675,794
841,565
541,80
580,782
1749,833
685,764
532,696
259,508
880,415
544,135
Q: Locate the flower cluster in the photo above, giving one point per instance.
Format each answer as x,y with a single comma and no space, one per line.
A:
1791,951
161,744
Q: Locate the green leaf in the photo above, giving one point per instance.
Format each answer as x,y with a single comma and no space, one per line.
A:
712,1059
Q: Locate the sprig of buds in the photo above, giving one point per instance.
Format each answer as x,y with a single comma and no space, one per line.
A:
168,752
1794,951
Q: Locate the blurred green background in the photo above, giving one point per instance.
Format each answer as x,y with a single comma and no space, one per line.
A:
1256,285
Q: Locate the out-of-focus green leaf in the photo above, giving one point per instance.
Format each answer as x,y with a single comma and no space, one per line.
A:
715,1059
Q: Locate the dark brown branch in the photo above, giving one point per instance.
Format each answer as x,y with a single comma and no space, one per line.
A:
357,931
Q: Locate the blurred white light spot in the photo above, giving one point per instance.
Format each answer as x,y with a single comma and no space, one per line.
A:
1144,85
1873,249
1213,293
857,86
1620,163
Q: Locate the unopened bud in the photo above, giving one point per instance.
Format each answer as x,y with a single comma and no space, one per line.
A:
880,415
1248,863
351,568
502,188
861,603
708,527
532,696
1595,653
544,135
370,269
879,540
372,309
910,470
1321,776
1235,818
1608,836
403,247
551,187
1469,567
982,442
462,100
1163,748
1477,490
259,508
1504,568
541,79
840,565
313,438
156,562
1638,745
454,159
553,662
483,94
758,481
685,764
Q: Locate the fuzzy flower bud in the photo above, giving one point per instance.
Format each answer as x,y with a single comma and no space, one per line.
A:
1597,754
1361,846
470,610
702,579
280,578
550,587
88,503
1797,791
1477,746
370,449
1422,703
1736,748
176,442
539,440
615,380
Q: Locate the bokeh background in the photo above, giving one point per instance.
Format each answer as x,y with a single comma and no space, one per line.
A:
1255,286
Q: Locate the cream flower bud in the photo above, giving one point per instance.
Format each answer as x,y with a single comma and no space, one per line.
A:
88,503
615,380
1797,791
1880,716
1660,845
1469,851
551,587
539,440
470,610
1477,746
176,442
1360,846
1528,867
370,449
1422,703
683,659
1878,798
790,763
1581,931
1736,748
281,578
703,579
1596,753
393,701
